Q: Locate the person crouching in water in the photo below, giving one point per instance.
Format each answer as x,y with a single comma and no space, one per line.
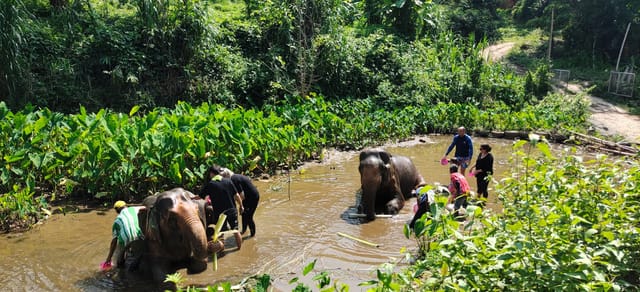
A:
424,201
126,234
459,188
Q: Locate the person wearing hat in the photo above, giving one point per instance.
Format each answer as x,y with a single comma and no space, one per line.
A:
482,170
125,231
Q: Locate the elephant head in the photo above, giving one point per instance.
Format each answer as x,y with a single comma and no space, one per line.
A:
174,230
386,181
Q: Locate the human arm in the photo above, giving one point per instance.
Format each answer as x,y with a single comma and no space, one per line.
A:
470,145
489,164
453,144
239,202
112,248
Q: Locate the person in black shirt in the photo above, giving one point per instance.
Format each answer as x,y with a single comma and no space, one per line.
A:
483,171
424,201
250,198
223,196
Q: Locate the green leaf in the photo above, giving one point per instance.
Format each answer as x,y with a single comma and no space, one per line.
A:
447,242
174,173
308,268
608,235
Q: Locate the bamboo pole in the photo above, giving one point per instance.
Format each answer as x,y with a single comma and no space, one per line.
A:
216,232
358,240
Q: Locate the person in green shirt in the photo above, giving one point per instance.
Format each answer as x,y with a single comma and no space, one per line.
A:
125,231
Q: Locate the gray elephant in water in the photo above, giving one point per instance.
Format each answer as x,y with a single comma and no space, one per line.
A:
174,227
386,180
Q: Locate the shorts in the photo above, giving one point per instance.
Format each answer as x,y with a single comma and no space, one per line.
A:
463,161
232,220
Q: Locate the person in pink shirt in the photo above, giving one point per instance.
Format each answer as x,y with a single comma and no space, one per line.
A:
459,189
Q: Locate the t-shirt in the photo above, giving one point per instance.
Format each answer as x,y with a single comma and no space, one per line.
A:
222,194
486,164
126,226
243,184
463,144
459,184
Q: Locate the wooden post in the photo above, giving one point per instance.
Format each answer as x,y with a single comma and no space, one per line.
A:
622,46
553,11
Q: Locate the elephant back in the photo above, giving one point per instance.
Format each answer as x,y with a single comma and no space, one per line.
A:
408,175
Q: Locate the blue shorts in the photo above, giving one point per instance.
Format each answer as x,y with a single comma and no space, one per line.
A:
463,161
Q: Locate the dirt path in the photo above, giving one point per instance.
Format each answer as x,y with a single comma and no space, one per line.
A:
609,119
497,51
606,118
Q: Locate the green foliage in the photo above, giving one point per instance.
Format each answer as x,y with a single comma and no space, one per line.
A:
538,83
568,224
116,55
111,155
322,279
593,26
11,44
20,209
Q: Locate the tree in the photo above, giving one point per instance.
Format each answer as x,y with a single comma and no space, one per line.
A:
11,43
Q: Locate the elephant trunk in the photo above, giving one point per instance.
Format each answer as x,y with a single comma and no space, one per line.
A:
194,230
370,181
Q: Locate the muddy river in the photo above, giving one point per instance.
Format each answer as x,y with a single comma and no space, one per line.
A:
64,253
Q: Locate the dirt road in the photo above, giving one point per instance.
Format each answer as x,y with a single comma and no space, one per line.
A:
609,119
497,51
606,118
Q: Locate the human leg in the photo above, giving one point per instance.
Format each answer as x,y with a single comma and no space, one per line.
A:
460,201
483,184
247,217
232,219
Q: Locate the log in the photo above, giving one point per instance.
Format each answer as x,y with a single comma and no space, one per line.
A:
604,145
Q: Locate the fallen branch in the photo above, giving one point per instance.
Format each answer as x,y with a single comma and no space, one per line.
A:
359,240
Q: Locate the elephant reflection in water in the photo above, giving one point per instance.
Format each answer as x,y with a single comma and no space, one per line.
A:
174,227
386,181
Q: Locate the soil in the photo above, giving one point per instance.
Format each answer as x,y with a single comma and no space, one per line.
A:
606,118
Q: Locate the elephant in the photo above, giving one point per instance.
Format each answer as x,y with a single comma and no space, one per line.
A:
386,181
174,227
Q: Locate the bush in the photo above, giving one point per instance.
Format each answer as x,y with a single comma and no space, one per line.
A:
567,224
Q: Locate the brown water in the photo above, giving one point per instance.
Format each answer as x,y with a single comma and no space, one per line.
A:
64,253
